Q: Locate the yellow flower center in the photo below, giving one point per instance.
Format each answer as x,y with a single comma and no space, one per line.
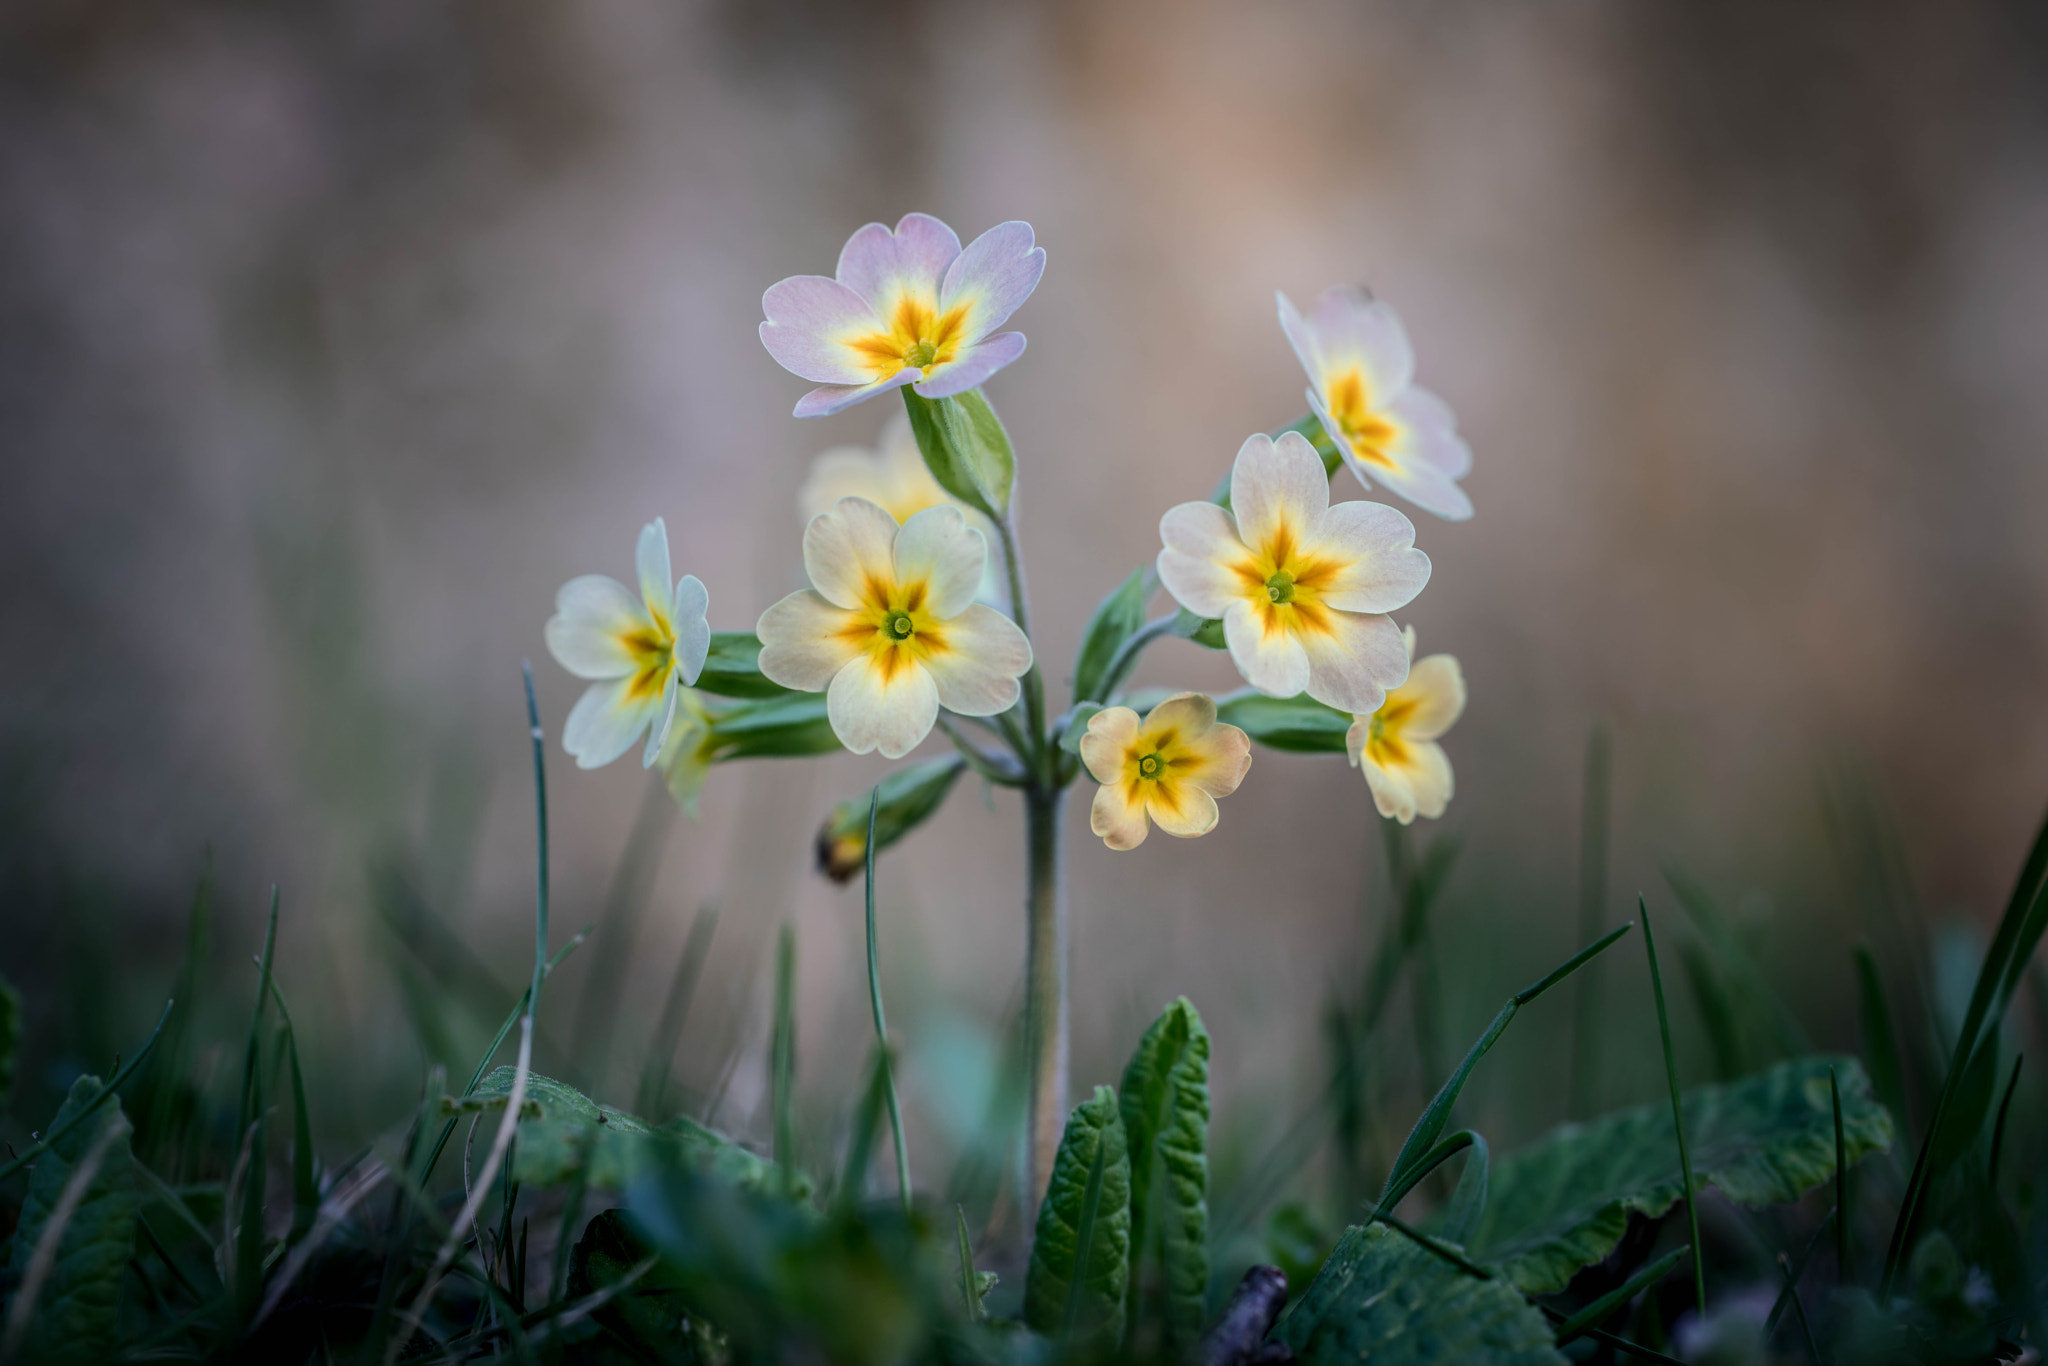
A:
917,335
1280,587
895,625
1284,584
1383,742
1370,435
652,647
901,626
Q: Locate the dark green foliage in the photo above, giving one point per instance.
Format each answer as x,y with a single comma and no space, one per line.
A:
733,667
1116,620
1298,725
787,727
905,799
10,1038
648,1316
1564,1201
1164,1104
1080,1256
77,1304
1382,1298
966,448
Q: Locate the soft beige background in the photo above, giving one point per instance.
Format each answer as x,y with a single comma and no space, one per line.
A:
336,337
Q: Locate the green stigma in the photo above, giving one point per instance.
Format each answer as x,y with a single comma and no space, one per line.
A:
1148,767
899,625
922,355
1280,588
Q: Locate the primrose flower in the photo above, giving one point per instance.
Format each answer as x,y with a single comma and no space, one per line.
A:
892,632
689,751
1302,587
637,650
906,307
1361,374
1397,745
1171,767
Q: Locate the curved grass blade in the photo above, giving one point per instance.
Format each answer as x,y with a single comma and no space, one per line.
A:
1589,1318
66,1123
782,1056
1880,1043
2004,1112
970,1280
1692,1212
881,1027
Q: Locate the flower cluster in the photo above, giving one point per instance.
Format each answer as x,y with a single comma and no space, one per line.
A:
907,619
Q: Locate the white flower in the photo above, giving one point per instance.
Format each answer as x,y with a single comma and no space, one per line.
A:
1361,374
637,649
1170,769
689,751
893,476
1396,746
1302,586
892,632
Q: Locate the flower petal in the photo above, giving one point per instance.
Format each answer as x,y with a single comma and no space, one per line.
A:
874,707
593,615
1354,660
992,278
985,654
938,548
605,722
691,602
848,552
1271,661
1437,686
1201,543
650,558
1417,480
1429,778
1301,337
1432,427
972,366
660,719
1220,754
809,319
1382,570
882,266
828,399
1391,793
805,640
1182,810
1117,818
1277,488
1107,743
1347,321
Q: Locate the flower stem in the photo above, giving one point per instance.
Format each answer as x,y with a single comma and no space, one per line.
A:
1034,680
1045,987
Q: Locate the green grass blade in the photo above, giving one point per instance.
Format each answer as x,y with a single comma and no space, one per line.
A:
2004,1112
970,1288
540,819
1417,1172
860,1144
675,1012
881,1027
1763,1008
1842,1269
1724,1035
1799,1308
782,1056
1880,1041
250,1101
305,1190
66,1124
624,909
1692,1211
1589,1318
1594,820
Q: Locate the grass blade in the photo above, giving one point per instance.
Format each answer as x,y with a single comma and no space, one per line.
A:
57,1131
860,1144
1582,1322
254,1121
882,1028
1842,1271
1692,1209
1880,1042
1799,1307
675,1011
2004,1111
782,1057
625,907
305,1190
1593,829
970,1288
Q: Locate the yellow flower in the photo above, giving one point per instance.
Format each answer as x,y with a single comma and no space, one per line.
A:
1171,768
892,632
689,751
1396,746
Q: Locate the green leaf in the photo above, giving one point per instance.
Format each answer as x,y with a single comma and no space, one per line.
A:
1080,1256
791,726
1204,631
1077,726
966,448
655,1317
76,1309
733,668
1563,1202
909,797
1299,725
1382,1298
10,1037
572,1136
1164,1104
1115,621
1467,1206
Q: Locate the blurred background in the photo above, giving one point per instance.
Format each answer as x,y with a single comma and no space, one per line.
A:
334,337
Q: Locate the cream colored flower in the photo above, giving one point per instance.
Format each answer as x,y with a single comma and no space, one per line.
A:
689,751
893,476
1408,771
637,650
892,632
1170,768
1361,384
1301,586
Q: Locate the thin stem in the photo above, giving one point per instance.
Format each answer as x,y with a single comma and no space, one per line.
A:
1045,988
1126,657
1020,612
1692,1203
881,1026
994,767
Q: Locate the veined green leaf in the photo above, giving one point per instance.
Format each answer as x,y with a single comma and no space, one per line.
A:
965,448
1382,1298
1299,725
1564,1201
908,798
575,1136
76,1309
785,727
1080,1256
733,668
1164,1103
1116,620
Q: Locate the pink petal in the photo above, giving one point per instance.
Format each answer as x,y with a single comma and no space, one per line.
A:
880,265
809,319
828,399
993,277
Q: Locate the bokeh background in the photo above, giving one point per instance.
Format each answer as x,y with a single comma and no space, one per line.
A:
335,336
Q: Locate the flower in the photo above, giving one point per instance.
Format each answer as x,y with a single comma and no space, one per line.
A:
1361,374
906,307
689,751
892,632
1405,767
1170,767
893,476
1301,586
636,650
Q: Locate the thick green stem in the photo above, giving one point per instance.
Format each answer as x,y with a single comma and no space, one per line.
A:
1045,988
